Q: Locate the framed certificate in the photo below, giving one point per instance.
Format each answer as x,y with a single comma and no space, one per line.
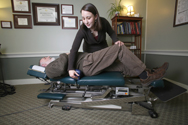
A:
69,22
46,14
21,6
6,24
22,21
80,22
181,13
67,9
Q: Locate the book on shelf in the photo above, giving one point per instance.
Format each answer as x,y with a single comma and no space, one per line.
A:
128,28
127,43
137,28
120,28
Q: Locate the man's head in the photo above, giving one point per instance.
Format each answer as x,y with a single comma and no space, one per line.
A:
46,60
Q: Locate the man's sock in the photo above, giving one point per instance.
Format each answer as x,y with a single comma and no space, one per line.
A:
143,75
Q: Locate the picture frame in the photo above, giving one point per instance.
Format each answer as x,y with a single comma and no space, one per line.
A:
21,6
69,22
22,21
46,14
180,14
67,9
80,22
6,24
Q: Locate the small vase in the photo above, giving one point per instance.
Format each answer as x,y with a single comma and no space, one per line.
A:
117,13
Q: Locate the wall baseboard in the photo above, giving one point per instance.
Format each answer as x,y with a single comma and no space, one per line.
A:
155,52
166,52
23,81
37,81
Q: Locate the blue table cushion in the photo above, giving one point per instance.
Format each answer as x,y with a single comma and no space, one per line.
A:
106,78
67,80
38,74
55,96
157,84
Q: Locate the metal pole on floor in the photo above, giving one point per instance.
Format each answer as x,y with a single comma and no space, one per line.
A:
5,89
1,69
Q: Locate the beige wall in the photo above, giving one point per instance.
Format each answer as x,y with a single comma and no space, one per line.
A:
165,43
52,39
161,35
43,39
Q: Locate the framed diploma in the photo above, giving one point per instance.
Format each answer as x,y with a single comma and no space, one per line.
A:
21,6
6,24
46,14
181,13
67,9
69,22
80,22
22,21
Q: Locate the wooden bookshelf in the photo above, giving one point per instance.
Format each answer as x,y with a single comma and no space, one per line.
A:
119,22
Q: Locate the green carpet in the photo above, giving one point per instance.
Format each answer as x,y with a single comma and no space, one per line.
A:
23,108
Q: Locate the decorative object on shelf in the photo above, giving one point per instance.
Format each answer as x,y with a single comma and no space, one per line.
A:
46,14
130,11
6,24
180,14
136,15
21,6
115,9
22,21
67,9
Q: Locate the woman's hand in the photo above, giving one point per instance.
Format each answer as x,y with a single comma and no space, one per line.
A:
73,74
119,43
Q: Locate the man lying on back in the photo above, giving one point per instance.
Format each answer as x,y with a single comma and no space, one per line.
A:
113,58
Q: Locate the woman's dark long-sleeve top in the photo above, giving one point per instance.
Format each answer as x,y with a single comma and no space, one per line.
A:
90,43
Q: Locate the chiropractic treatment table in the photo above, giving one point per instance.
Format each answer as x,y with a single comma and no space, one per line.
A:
108,90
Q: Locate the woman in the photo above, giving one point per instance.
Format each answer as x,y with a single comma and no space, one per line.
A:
93,31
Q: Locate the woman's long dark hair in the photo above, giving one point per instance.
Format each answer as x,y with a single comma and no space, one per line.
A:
91,8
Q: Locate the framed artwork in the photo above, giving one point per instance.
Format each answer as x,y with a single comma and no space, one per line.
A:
22,21
80,22
181,13
67,9
69,22
46,14
21,6
6,24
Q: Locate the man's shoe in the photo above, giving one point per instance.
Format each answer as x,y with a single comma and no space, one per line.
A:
156,75
164,66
